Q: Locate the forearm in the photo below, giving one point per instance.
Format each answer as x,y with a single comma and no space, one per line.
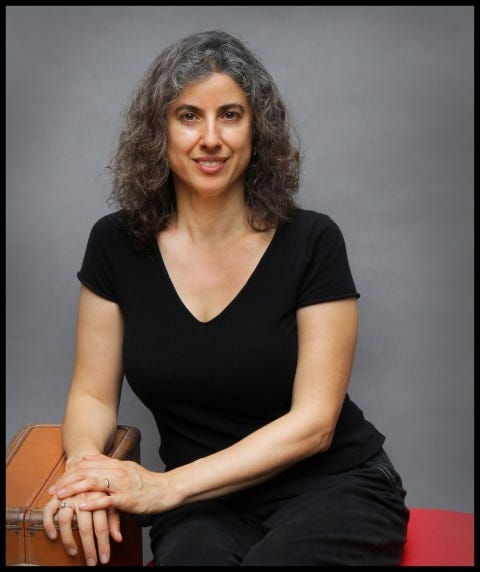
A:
252,460
261,455
88,427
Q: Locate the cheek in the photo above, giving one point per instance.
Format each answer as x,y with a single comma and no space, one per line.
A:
178,151
180,140
240,141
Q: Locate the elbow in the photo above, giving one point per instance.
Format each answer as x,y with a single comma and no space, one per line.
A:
317,440
307,435
321,440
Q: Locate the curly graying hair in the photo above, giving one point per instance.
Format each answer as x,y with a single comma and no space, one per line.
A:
142,184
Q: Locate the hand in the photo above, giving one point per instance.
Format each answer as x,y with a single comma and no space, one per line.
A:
129,487
92,526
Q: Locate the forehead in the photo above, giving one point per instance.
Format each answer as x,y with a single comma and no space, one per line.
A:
217,87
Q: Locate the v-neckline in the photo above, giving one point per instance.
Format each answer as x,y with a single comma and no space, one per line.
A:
226,308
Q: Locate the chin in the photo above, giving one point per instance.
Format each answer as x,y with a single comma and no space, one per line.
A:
212,191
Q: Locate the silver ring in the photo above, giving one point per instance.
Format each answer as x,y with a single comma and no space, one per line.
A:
64,504
107,483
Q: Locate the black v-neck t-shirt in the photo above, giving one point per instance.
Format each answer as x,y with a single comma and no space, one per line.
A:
209,384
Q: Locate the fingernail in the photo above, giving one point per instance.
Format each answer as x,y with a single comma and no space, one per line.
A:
104,558
51,490
91,562
51,535
60,492
72,551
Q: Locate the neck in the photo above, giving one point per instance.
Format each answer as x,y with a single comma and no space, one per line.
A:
211,220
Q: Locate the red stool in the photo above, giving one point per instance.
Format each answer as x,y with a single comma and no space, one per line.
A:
437,537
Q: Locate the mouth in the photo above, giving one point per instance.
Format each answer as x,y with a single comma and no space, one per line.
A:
210,165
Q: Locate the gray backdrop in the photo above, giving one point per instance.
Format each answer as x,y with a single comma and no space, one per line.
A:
383,99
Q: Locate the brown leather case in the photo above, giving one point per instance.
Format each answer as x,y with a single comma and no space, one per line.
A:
35,459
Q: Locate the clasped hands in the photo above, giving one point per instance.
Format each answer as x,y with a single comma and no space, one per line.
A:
95,489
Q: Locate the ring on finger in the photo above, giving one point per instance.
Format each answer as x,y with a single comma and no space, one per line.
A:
65,504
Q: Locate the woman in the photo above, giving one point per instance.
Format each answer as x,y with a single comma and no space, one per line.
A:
233,315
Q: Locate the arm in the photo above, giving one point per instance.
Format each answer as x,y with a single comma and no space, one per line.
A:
327,336
91,413
91,418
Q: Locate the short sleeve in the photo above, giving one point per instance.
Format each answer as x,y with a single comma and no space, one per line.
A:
96,271
327,276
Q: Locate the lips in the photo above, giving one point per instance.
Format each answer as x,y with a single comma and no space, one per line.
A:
210,165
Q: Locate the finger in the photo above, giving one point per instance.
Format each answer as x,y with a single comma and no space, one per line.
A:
68,479
100,523
49,510
97,457
85,484
65,519
64,481
97,504
114,524
87,536
83,470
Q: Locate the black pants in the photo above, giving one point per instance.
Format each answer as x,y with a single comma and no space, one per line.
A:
354,518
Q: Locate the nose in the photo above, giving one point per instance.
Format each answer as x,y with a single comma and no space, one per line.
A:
210,134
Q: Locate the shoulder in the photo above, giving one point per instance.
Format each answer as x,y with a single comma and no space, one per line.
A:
109,223
110,227
311,225
110,234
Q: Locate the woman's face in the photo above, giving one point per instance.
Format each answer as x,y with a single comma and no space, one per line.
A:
209,137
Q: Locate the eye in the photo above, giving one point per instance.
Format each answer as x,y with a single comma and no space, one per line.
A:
231,115
188,116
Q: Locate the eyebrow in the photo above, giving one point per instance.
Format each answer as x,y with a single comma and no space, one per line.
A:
223,108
